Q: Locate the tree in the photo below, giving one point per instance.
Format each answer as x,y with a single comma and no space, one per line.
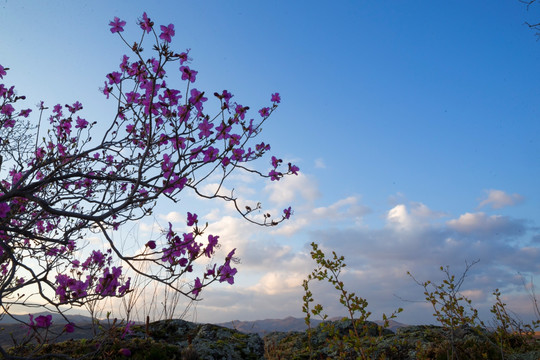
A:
535,26
58,183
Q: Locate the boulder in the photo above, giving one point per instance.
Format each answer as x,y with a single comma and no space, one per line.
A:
408,343
204,341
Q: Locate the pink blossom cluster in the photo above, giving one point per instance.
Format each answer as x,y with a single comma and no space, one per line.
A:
62,184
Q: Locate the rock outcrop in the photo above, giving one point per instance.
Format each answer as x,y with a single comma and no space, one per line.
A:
204,341
179,339
408,343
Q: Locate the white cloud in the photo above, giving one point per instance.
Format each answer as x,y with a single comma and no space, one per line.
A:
253,243
94,240
173,217
417,218
399,217
213,215
498,199
291,226
277,282
345,210
480,223
469,222
475,295
414,239
342,209
422,211
233,231
319,164
211,189
240,303
293,188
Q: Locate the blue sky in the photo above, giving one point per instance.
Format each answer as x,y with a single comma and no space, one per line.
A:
415,126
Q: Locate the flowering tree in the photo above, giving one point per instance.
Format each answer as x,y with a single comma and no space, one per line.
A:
58,183
536,25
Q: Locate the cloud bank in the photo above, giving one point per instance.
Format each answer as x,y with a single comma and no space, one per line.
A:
413,238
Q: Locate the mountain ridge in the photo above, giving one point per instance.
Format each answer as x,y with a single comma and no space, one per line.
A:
290,323
261,327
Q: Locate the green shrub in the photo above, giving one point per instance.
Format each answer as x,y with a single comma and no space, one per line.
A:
356,340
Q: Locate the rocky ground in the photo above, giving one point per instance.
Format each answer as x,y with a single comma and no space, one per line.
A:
179,339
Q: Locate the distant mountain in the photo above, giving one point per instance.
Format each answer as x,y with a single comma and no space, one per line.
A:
12,331
10,326
262,327
56,318
290,323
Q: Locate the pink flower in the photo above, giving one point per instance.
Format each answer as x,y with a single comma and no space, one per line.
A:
226,96
211,154
275,175
183,113
117,25
205,128
124,352
276,98
2,72
9,123
264,112
167,32
276,162
124,65
226,273
188,74
262,147
127,330
145,23
241,111
61,149
132,97
191,219
4,210
172,95
151,244
124,288
106,90
43,321
197,98
223,131
212,243
69,328
25,112
114,77
7,109
40,153
234,140
293,169
75,107
57,109
210,272
197,286
287,213
81,123
184,57
15,175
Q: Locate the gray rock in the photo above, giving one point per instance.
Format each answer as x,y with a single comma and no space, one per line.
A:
408,343
207,341
296,345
